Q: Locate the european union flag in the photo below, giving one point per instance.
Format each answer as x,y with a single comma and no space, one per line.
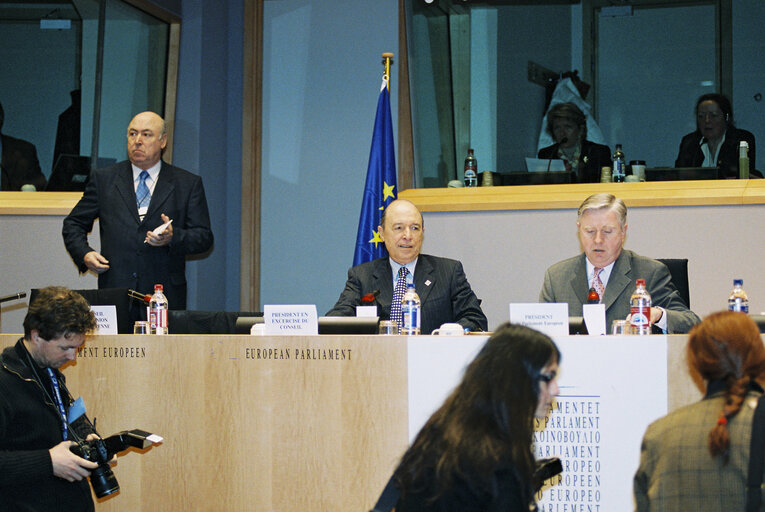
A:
380,188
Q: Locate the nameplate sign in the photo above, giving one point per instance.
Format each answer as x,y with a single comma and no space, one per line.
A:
551,319
595,318
366,311
106,319
290,319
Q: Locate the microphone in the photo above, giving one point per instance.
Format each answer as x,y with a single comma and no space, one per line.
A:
562,141
19,295
139,296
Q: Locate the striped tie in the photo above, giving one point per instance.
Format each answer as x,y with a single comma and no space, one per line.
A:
142,195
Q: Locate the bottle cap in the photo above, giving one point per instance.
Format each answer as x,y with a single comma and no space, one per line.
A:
640,282
738,282
158,288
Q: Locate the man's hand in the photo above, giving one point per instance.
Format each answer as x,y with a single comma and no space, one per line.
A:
95,262
656,315
163,238
67,465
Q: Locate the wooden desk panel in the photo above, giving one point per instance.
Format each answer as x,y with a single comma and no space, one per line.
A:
250,423
295,424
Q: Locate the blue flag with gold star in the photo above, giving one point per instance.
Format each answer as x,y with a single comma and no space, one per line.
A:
380,188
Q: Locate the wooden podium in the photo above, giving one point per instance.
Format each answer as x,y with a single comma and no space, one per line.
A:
289,424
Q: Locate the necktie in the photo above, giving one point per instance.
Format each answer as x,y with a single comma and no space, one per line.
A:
598,284
398,294
142,196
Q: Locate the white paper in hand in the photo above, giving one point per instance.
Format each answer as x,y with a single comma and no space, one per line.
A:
161,229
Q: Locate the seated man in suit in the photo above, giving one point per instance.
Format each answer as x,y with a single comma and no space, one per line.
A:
612,271
18,162
444,291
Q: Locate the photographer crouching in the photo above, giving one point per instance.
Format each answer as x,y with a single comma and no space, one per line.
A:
38,470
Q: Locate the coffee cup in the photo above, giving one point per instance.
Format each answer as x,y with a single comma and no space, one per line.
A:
449,330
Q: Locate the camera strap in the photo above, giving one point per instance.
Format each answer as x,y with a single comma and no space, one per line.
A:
59,403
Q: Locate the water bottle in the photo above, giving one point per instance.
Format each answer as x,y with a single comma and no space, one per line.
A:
471,169
619,168
737,300
158,311
640,309
410,312
743,160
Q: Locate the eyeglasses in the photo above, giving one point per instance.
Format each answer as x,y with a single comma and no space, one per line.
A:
714,116
547,377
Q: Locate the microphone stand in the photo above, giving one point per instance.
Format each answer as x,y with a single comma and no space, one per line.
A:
15,296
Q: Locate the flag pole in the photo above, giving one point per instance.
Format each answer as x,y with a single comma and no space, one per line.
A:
387,60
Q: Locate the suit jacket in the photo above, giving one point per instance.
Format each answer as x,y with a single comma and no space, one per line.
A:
690,154
591,158
566,281
677,472
19,165
444,292
110,197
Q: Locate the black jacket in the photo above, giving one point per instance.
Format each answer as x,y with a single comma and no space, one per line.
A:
690,154
110,197
592,157
441,284
29,427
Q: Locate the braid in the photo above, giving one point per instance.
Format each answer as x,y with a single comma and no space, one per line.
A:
727,348
719,437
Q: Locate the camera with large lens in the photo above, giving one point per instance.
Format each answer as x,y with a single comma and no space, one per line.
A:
102,478
101,451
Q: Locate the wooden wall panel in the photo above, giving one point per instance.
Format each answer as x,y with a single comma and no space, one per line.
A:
244,429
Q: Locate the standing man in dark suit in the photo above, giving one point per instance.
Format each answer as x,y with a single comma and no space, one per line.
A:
612,271
18,162
444,291
131,199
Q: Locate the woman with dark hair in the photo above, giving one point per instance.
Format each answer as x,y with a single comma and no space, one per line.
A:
696,457
567,125
474,453
715,143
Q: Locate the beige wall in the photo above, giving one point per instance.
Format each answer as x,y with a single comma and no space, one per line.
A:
506,253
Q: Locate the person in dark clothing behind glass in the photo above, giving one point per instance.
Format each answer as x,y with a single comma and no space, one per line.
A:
18,162
715,143
474,453
567,125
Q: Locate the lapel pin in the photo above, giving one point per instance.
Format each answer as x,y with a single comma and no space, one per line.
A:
427,283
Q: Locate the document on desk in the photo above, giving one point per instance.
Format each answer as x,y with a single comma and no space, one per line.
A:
545,165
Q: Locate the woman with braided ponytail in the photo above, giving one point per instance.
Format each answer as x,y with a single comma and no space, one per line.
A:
696,457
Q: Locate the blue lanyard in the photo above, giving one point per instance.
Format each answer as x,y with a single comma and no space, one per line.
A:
59,403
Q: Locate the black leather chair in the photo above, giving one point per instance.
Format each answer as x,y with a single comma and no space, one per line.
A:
205,322
678,269
117,297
